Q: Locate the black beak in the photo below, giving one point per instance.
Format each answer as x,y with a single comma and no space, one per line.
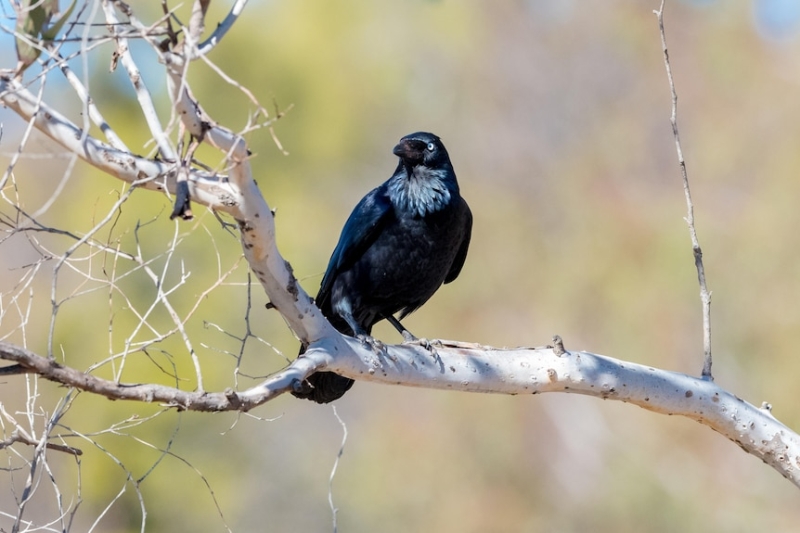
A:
409,150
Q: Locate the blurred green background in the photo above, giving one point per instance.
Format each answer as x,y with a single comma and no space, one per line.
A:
556,117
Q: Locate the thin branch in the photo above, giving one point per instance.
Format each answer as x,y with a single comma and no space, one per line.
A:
206,189
142,93
22,437
334,510
222,28
197,21
228,400
39,458
35,101
253,124
705,295
63,260
196,121
94,113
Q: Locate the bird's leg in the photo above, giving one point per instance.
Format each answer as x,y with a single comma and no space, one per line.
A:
407,335
409,338
361,334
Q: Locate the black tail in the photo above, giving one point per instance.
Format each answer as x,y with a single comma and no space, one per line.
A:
324,387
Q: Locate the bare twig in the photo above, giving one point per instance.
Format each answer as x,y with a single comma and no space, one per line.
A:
334,510
142,93
94,113
39,457
24,439
705,295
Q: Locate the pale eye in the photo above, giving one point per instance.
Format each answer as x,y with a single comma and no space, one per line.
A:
431,147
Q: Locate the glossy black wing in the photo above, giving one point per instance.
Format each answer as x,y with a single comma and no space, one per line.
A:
461,256
362,228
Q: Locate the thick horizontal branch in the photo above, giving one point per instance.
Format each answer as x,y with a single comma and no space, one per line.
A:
474,368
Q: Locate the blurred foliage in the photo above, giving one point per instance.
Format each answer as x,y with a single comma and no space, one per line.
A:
556,116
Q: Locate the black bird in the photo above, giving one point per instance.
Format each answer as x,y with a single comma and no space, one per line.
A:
402,241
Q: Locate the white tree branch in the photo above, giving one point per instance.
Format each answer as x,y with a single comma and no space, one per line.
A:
196,121
223,27
94,113
147,173
142,93
473,368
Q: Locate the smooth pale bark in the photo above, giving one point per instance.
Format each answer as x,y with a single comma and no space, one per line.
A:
474,368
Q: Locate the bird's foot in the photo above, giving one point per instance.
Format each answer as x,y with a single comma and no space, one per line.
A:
377,347
430,346
374,344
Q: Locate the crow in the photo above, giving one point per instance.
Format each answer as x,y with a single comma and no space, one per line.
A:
402,241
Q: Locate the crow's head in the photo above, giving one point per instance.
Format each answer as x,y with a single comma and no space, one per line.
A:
424,181
422,148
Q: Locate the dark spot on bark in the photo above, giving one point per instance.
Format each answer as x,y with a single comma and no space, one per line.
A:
291,287
689,394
